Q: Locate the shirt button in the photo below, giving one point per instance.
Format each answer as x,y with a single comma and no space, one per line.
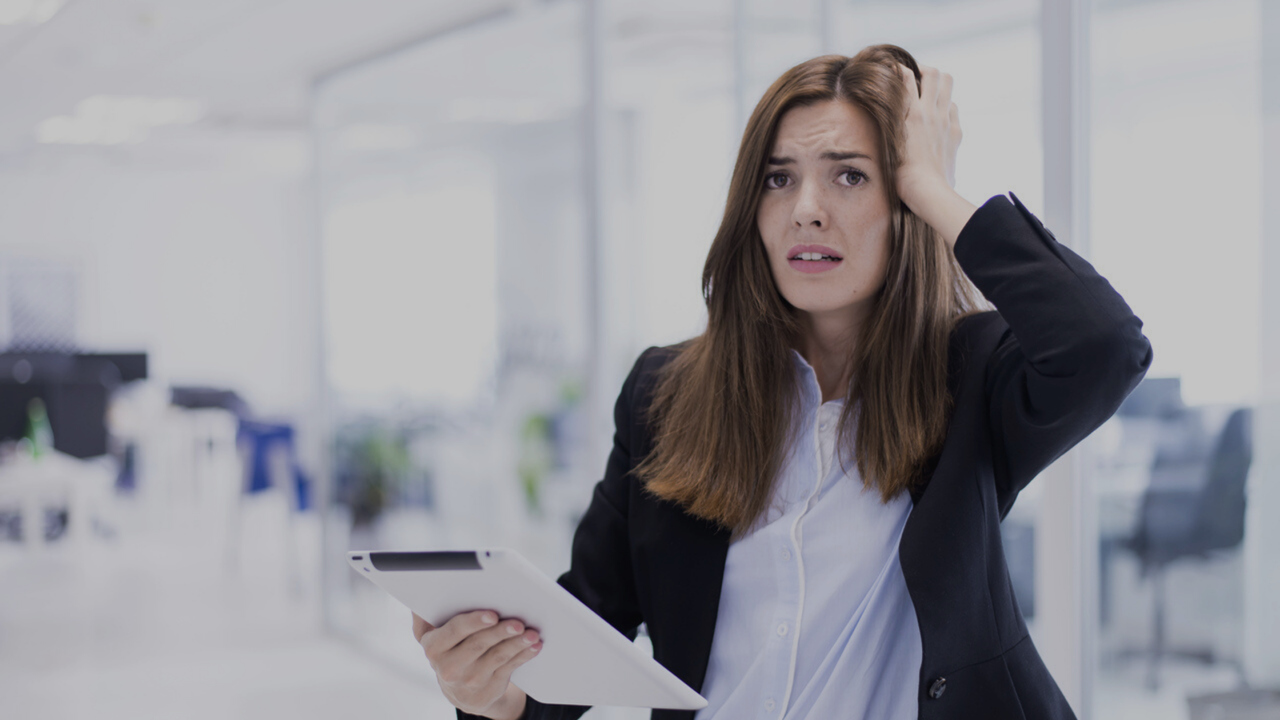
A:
786,554
768,705
782,630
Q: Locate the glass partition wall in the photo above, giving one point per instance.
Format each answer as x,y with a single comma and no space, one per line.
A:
513,209
1177,205
452,194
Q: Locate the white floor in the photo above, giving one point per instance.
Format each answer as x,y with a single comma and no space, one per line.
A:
1122,695
157,624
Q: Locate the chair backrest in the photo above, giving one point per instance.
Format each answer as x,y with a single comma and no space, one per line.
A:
1220,519
1155,397
1183,450
1194,502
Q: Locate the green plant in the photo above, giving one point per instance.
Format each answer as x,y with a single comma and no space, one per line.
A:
372,463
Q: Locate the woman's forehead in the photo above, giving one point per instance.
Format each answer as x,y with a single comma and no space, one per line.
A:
819,131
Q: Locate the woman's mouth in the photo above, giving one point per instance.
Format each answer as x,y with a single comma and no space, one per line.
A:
813,258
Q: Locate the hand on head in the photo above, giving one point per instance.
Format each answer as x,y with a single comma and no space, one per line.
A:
931,136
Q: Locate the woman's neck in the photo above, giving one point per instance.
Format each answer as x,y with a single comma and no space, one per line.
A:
827,344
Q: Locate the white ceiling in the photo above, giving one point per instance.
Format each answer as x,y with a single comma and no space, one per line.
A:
251,60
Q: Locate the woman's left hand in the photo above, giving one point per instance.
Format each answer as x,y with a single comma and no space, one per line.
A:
926,176
932,135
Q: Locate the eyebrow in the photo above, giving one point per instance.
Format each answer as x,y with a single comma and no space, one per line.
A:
828,155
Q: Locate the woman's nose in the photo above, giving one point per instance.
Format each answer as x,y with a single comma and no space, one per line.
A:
809,210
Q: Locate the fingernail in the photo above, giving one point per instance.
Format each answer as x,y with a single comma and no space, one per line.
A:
512,629
528,641
536,648
488,618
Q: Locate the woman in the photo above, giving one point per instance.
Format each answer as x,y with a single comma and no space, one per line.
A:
803,503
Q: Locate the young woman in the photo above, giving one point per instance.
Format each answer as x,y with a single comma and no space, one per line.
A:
803,503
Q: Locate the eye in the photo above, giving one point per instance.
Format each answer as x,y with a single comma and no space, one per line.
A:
773,181
853,178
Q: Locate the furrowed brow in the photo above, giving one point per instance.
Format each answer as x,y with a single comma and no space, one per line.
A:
834,155
838,156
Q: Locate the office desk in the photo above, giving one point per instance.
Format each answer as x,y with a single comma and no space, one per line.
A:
55,480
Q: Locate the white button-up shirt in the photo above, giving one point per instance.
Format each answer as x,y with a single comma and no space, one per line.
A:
815,620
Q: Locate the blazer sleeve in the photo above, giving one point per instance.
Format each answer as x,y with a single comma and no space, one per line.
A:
1073,349
600,570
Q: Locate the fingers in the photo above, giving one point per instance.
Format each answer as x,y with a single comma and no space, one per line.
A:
524,655
909,81
511,632
421,627
458,629
929,77
470,650
934,85
944,89
500,655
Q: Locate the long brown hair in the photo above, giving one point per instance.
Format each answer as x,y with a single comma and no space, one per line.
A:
724,408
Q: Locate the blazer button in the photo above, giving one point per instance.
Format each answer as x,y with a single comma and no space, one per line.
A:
937,687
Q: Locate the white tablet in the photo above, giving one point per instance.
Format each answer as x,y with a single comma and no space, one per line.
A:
583,661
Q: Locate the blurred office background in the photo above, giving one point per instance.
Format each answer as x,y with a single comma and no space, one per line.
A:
283,279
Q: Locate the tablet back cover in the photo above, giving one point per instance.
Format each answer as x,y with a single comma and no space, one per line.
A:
583,661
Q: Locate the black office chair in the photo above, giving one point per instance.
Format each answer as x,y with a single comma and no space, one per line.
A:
1193,507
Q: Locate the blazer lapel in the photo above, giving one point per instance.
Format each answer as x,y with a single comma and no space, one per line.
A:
688,557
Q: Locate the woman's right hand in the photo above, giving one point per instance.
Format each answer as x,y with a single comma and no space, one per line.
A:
474,655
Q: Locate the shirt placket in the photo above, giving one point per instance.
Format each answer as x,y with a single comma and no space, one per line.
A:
789,601
791,616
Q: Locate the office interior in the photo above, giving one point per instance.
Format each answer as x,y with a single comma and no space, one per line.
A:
280,280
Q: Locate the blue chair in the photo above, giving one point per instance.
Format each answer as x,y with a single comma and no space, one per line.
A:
260,439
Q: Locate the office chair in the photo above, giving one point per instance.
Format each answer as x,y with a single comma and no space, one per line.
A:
1146,414
1193,507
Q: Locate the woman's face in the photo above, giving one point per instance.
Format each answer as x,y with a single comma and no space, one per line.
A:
824,213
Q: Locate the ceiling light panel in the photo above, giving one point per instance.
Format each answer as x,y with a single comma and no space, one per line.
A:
117,119
31,12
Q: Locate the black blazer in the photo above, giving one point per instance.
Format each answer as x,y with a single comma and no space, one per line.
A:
1029,380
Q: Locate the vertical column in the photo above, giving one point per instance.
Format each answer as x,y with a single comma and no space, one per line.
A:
741,106
1065,561
597,398
827,29
1262,532
322,421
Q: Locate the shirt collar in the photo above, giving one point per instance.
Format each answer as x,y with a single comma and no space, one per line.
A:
807,381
